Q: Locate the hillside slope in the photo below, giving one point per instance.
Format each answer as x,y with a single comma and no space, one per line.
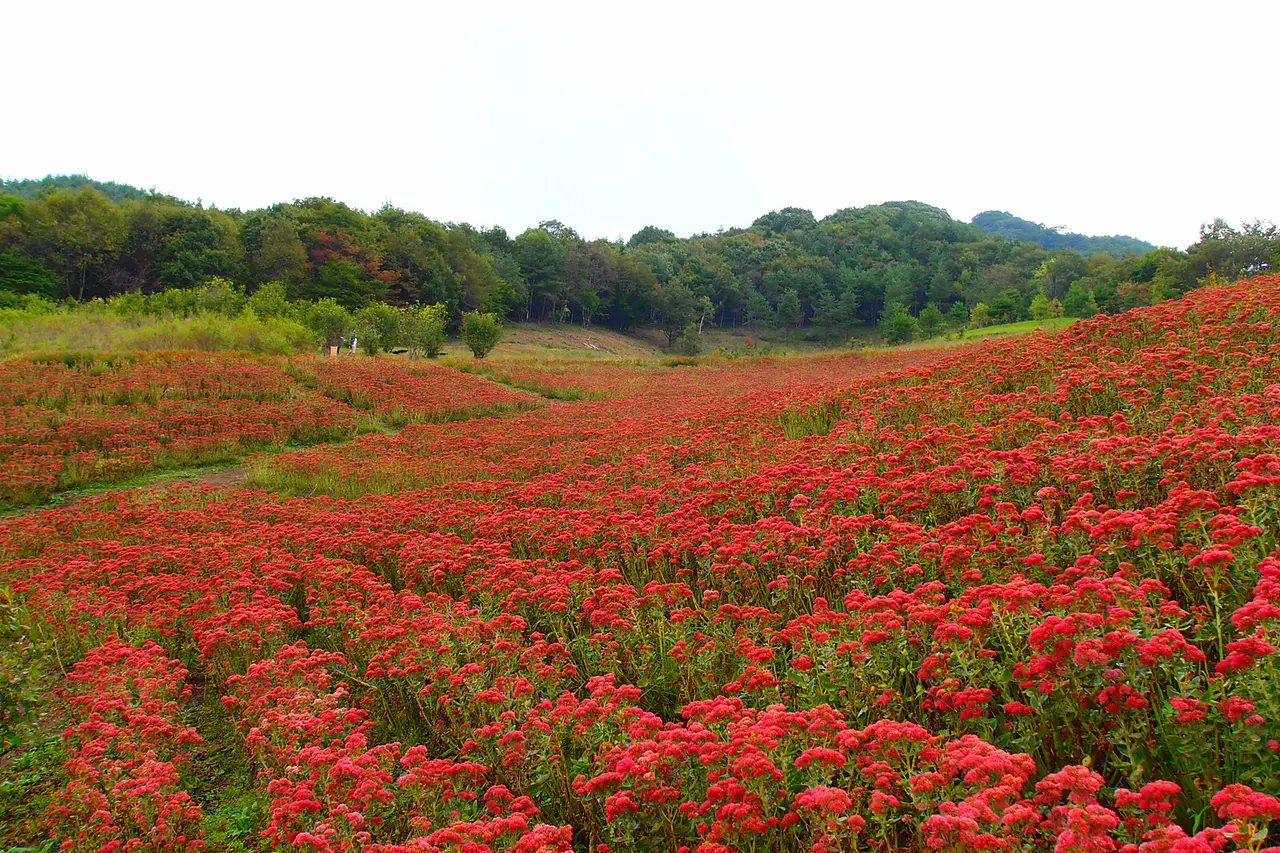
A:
563,341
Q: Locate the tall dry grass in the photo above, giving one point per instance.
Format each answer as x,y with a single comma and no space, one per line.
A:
86,329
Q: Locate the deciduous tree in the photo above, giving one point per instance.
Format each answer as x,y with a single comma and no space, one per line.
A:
480,332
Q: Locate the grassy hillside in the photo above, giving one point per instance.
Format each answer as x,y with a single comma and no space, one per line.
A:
558,341
1021,327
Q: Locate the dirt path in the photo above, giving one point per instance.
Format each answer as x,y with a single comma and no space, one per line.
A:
219,477
222,478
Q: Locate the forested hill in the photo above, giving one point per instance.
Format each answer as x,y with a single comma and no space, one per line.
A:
899,261
1016,228
32,187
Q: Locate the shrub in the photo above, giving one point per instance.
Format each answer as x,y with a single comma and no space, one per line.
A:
1041,308
480,332
980,316
690,341
269,300
329,320
931,319
897,325
423,328
378,328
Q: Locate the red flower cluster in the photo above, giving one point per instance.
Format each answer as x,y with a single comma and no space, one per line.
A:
127,747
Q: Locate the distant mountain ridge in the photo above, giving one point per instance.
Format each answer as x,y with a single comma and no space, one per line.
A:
998,222
1016,228
32,187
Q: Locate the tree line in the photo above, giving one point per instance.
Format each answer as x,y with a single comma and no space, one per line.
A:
906,266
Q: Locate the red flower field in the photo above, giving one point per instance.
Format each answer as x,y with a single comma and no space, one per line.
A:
1019,595
80,420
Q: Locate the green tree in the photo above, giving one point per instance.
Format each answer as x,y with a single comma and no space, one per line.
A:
980,316
1041,307
1079,302
790,313
75,232
329,320
479,285
897,325
541,259
589,303
481,332
760,312
957,315
784,221
281,257
690,341
22,275
512,294
197,246
424,327
378,328
343,280
1056,272
826,310
651,234
834,311
1232,254
677,307
1007,306
270,300
931,319
11,212
1106,296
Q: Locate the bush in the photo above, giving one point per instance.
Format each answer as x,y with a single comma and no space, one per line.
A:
480,332
931,319
897,325
270,300
980,316
690,341
1041,308
328,320
19,304
815,419
423,328
217,296
378,328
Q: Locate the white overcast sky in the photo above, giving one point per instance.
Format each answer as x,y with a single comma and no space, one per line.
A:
1115,117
